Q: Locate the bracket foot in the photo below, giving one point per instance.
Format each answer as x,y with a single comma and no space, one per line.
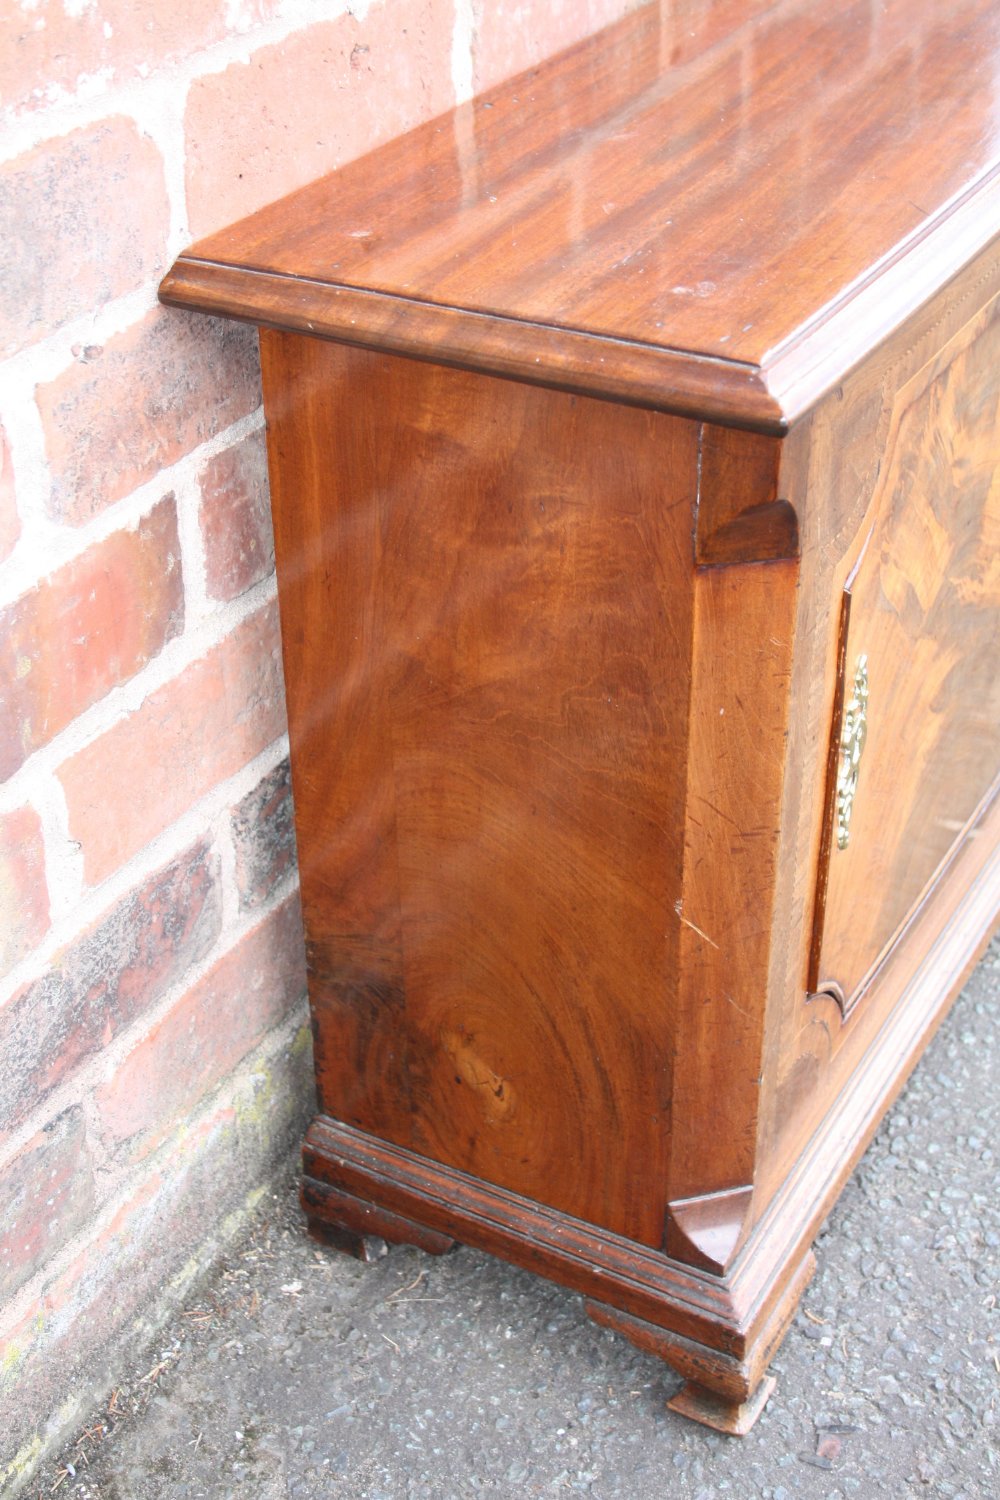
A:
362,1229
733,1417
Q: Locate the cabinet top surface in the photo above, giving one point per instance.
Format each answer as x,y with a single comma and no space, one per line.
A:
713,207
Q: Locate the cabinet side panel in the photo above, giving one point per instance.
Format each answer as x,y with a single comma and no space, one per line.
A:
486,611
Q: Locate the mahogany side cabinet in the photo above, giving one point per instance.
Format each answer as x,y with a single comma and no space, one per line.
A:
634,441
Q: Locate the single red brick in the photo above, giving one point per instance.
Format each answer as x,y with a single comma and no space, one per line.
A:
507,39
263,829
24,897
306,105
10,526
106,978
93,624
150,395
46,1196
205,1036
49,48
86,219
235,515
189,735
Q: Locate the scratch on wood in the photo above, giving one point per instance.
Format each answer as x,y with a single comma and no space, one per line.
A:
693,927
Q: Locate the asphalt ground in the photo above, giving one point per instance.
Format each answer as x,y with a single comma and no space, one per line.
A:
296,1372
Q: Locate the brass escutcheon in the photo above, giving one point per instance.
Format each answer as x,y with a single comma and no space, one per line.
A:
852,743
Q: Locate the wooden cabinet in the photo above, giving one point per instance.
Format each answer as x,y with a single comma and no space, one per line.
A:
634,436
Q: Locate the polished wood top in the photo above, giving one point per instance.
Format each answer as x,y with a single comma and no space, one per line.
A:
713,208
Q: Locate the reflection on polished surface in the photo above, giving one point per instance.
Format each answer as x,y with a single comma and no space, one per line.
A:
701,176
593,986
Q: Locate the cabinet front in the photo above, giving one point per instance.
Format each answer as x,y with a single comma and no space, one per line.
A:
916,736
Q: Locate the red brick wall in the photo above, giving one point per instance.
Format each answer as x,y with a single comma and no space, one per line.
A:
152,1039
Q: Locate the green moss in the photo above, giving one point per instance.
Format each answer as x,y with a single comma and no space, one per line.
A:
234,1221
254,1106
302,1040
23,1463
10,1360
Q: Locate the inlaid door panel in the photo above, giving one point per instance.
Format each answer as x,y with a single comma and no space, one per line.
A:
915,750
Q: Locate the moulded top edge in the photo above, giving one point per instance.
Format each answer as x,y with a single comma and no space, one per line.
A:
647,375
738,209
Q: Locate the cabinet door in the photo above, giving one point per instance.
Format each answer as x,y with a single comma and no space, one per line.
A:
915,746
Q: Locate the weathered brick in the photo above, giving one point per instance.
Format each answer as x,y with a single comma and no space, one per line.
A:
185,738
46,1196
507,39
167,1075
263,828
105,979
87,1317
86,628
306,105
235,516
127,409
85,219
24,897
48,49
10,526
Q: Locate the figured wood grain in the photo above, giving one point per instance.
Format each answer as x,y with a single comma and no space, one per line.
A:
705,1230
834,476
741,517
746,551
735,203
924,593
742,647
486,620
740,1315
663,379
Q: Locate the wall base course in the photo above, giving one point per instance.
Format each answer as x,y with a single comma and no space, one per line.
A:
46,1196
204,1036
62,1353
